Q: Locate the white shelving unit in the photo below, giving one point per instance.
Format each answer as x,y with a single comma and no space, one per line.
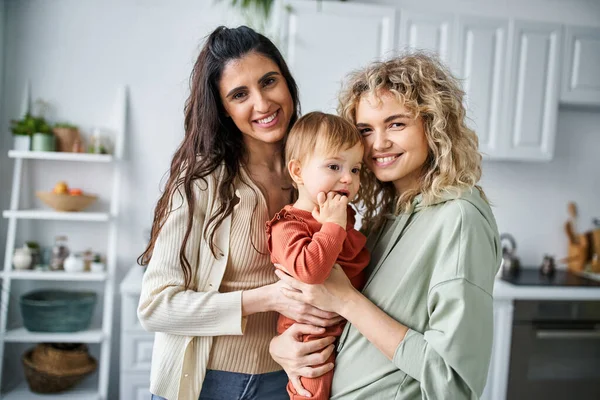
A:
85,390
96,386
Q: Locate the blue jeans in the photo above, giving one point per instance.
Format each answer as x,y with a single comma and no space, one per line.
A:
222,385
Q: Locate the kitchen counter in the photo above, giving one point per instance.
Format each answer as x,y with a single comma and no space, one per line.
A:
507,291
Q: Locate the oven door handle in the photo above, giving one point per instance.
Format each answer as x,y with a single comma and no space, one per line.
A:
567,334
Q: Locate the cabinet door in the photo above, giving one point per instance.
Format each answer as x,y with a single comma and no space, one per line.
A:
135,386
481,54
324,41
427,31
532,102
581,69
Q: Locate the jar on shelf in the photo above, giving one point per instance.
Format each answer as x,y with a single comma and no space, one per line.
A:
74,263
97,264
22,258
97,142
36,256
60,252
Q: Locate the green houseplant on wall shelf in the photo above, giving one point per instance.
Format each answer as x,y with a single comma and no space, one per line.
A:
23,129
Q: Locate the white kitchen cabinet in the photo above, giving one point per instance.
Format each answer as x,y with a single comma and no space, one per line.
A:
510,69
136,343
533,88
581,67
481,55
427,31
324,41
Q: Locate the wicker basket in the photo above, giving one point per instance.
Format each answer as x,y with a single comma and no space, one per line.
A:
47,357
66,202
57,310
51,370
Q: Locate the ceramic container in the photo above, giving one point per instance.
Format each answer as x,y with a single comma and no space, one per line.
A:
73,263
22,142
97,267
22,258
43,142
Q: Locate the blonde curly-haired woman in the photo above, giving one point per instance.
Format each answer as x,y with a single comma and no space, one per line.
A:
422,326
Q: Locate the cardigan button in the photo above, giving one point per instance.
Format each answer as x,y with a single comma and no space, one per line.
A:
185,375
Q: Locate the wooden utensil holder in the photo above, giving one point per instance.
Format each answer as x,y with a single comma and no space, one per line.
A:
585,251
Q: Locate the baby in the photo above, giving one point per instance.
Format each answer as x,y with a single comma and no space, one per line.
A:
324,155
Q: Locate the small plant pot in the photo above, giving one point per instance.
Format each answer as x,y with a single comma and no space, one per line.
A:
22,142
66,138
97,267
43,142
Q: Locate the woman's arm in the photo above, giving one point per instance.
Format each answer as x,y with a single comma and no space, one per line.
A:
165,305
450,359
339,296
298,358
271,298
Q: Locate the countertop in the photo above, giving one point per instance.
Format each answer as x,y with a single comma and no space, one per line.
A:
132,284
507,291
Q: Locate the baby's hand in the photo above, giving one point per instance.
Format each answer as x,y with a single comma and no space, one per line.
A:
332,208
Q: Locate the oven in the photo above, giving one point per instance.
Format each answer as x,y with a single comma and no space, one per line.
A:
555,350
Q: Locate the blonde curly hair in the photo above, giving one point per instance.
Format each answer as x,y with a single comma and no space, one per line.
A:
428,90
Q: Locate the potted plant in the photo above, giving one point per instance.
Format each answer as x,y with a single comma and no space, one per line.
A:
67,136
23,129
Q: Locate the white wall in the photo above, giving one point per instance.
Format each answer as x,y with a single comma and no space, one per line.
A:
76,54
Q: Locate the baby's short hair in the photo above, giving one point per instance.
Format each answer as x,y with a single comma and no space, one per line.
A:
314,131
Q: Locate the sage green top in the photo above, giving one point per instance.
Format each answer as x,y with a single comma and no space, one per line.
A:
432,269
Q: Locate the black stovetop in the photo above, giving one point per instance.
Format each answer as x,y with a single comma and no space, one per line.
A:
532,277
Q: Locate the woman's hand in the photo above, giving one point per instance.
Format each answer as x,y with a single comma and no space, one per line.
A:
297,357
297,310
331,296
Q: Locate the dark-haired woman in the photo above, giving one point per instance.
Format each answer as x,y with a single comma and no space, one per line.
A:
210,292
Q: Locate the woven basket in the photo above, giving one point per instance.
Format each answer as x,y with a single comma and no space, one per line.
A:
66,202
61,357
57,310
52,374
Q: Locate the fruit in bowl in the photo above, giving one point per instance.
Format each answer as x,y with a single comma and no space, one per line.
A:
61,188
61,198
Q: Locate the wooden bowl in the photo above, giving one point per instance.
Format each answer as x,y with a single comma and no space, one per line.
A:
66,202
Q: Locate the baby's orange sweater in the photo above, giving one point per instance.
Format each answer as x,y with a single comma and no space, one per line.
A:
307,249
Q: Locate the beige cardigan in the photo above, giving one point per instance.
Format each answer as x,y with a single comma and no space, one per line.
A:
185,321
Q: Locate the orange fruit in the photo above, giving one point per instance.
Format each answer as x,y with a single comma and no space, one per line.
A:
61,188
75,192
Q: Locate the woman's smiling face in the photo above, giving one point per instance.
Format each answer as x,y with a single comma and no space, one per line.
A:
256,97
395,143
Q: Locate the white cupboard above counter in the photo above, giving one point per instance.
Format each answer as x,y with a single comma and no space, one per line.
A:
324,42
510,68
581,68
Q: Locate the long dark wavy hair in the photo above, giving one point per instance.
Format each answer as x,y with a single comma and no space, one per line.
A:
211,139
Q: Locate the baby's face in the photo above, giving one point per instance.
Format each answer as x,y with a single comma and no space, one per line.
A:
338,173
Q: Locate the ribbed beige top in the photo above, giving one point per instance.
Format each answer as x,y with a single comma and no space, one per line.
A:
246,269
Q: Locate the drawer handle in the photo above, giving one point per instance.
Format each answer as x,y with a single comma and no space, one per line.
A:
566,334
